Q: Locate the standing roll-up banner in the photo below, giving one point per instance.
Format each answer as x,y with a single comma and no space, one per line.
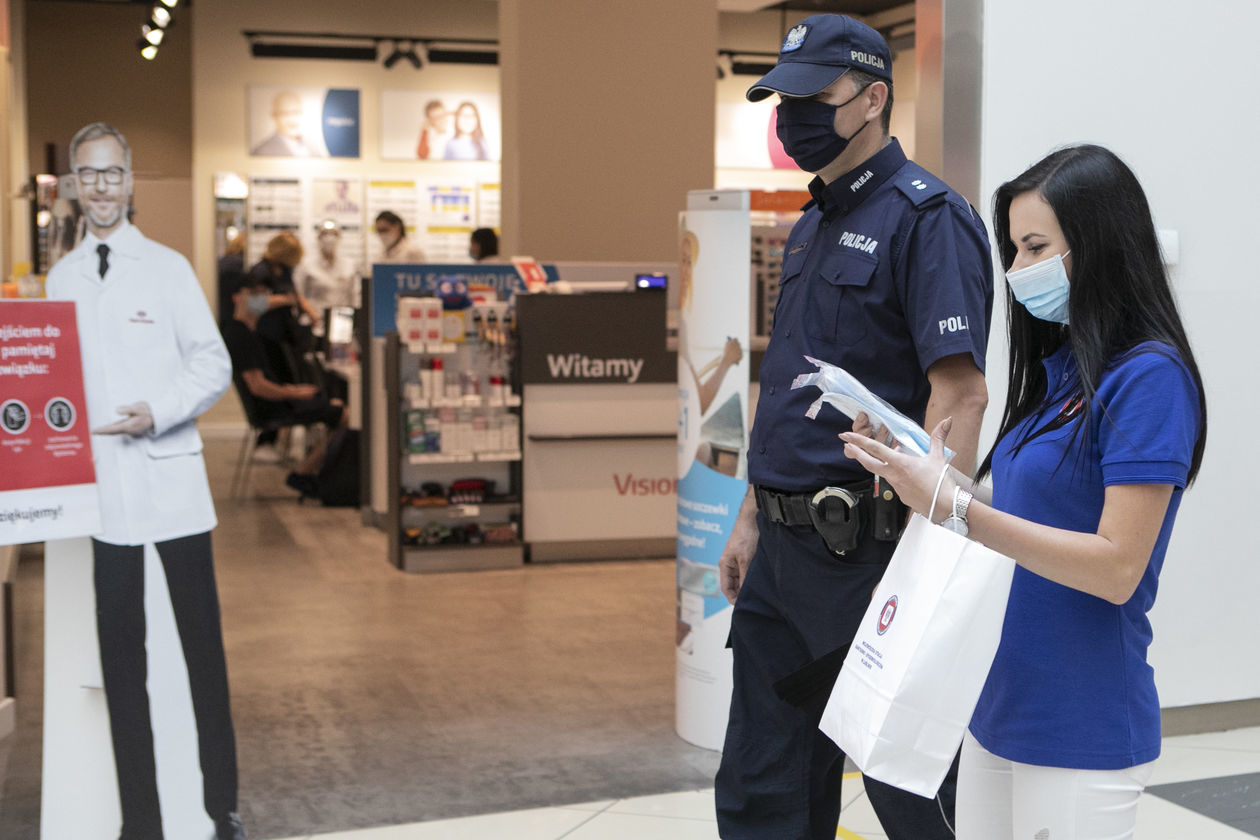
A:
713,303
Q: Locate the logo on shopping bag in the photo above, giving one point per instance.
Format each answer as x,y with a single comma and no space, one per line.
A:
886,615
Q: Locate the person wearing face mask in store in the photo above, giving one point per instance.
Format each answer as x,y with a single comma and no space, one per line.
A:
284,327
397,247
483,245
887,274
291,403
1104,428
325,278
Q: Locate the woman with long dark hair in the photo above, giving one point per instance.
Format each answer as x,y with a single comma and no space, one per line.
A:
1103,429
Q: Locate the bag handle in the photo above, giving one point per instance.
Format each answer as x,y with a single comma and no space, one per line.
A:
937,492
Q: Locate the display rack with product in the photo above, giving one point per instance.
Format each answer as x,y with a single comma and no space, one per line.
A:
455,447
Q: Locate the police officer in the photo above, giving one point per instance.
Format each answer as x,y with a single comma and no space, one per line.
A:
888,275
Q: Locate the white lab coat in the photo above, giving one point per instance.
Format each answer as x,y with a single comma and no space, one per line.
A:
146,335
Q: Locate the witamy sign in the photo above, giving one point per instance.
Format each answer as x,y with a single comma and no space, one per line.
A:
605,337
578,366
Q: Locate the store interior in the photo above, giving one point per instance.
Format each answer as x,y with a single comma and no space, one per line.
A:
379,679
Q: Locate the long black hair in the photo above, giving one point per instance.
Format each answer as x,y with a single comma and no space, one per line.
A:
1120,294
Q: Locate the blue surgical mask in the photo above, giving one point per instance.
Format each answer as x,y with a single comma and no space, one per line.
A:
259,303
807,129
1043,289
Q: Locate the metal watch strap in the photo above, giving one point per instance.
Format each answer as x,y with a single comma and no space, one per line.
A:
962,501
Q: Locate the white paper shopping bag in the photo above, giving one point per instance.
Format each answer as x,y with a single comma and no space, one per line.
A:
916,667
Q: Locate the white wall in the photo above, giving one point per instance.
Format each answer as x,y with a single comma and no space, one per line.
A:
1180,111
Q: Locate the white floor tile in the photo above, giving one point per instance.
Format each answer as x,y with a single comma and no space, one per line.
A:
857,817
1159,819
689,815
690,805
598,805
609,826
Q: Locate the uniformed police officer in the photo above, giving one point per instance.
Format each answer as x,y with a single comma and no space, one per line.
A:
888,275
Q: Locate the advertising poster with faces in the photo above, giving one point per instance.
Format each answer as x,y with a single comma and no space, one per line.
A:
303,122
340,201
436,125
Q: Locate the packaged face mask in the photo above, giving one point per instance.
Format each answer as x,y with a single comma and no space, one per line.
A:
850,397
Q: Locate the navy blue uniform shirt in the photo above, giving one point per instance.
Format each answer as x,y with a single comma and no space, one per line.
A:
887,271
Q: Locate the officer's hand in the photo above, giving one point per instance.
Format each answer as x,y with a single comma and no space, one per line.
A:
915,478
137,419
872,428
738,553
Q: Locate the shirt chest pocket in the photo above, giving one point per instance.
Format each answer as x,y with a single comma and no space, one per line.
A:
838,292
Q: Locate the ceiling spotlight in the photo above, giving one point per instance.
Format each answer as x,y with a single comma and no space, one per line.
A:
152,34
170,4
148,51
161,17
403,49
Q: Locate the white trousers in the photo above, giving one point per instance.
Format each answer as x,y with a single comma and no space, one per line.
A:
1005,800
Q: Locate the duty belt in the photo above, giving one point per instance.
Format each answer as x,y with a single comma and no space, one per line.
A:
794,508
840,514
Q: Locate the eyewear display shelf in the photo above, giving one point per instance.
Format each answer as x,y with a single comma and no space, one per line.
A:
455,464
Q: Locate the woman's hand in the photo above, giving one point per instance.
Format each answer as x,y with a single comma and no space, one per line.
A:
914,477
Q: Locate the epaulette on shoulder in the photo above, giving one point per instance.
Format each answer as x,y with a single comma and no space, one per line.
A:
921,188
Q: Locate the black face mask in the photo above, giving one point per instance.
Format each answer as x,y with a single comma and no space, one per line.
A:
807,129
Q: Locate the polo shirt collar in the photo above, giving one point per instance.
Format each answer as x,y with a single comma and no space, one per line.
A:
852,188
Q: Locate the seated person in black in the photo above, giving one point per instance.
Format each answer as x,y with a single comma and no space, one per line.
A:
295,404
285,338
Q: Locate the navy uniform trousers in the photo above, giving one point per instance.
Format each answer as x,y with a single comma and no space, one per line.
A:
780,775
120,623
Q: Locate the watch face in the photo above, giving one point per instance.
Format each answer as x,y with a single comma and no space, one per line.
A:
958,526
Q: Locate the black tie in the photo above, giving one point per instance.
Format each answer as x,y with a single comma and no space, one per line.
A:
103,250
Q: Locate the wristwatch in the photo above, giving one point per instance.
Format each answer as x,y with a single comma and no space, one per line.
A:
957,521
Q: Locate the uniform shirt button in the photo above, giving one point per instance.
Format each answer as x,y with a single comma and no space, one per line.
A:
787,333
772,390
826,223
763,450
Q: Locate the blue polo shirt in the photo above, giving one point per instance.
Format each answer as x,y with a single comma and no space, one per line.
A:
1070,685
887,271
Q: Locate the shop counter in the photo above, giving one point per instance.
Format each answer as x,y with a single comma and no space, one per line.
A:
599,427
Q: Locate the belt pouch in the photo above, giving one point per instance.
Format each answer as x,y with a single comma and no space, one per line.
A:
834,513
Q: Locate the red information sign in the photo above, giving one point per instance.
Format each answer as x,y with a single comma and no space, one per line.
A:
534,275
47,484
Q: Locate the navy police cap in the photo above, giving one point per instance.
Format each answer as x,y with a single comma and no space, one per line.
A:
817,51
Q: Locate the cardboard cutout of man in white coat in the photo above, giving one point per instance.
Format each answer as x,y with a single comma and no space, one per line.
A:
153,361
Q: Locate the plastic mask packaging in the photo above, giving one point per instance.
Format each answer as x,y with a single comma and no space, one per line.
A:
850,397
